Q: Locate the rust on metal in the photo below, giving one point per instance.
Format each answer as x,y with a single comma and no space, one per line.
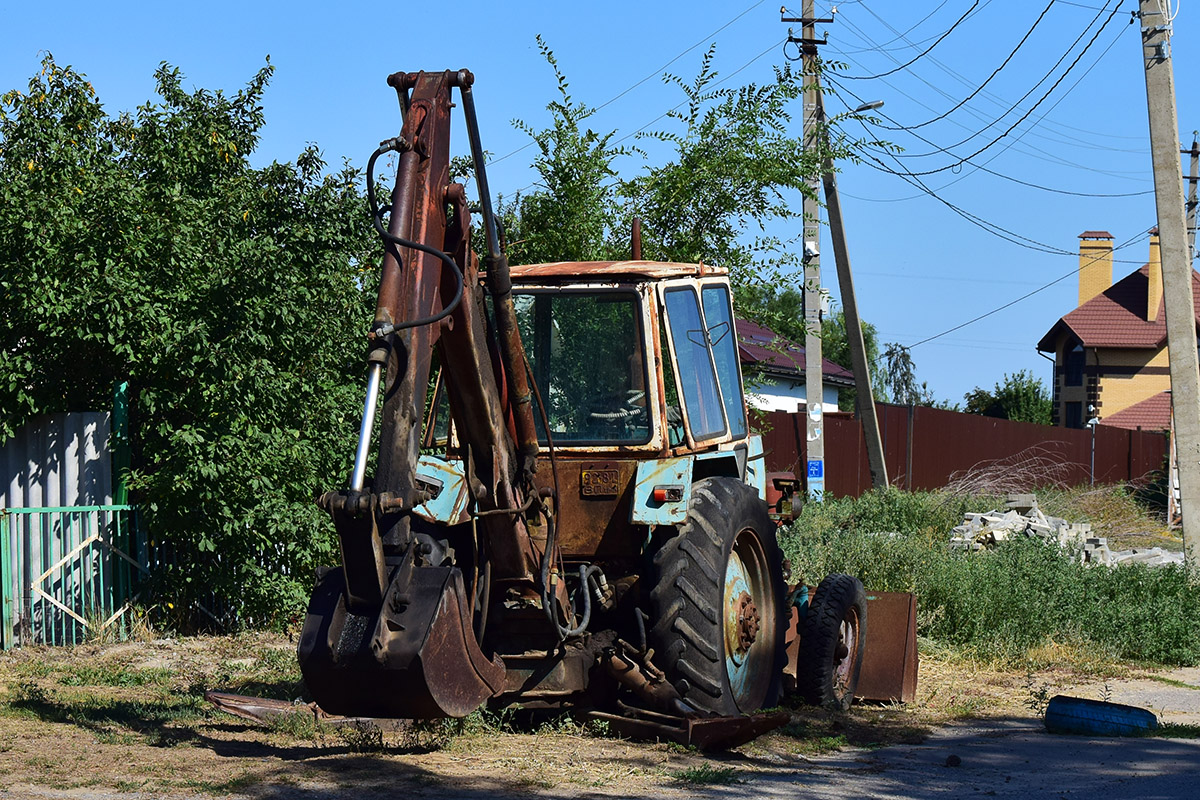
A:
261,709
608,270
599,523
704,733
889,667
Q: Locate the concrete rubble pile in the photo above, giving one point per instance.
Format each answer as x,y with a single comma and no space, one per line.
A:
1022,517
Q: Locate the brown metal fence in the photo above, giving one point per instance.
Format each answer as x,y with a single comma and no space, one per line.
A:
926,448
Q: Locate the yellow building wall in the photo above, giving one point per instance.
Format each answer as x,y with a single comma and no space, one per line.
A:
1114,392
1119,392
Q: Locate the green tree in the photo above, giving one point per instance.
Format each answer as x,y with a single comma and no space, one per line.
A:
1020,396
145,247
900,380
734,166
570,216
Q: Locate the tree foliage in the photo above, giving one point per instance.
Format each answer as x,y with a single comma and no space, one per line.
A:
145,247
729,165
1020,396
570,216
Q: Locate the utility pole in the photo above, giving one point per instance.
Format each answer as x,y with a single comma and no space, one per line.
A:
864,398
1192,202
813,384
1176,268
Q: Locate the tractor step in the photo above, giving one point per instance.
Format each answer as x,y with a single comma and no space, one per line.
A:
703,733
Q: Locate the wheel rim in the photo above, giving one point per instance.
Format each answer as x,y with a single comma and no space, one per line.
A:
750,614
845,654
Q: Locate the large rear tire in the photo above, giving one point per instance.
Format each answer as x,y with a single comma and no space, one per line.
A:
831,643
717,622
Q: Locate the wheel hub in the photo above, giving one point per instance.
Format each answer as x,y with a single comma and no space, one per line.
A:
748,621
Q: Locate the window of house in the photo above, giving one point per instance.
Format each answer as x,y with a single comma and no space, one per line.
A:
1074,417
1073,368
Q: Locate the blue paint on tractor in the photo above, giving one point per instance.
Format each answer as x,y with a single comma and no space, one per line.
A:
756,465
661,472
448,483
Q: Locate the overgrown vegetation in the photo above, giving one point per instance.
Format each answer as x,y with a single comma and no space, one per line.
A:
1001,605
146,248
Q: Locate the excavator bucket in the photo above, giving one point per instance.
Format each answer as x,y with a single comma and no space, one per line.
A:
414,657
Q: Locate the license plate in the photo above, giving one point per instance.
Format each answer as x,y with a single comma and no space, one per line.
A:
600,483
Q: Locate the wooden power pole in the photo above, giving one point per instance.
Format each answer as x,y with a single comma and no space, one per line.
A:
814,389
1176,266
864,397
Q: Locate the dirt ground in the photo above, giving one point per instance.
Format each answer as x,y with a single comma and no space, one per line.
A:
128,720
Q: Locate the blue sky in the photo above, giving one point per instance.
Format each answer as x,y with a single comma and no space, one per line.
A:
920,267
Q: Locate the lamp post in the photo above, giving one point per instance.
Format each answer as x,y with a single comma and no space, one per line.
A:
1092,422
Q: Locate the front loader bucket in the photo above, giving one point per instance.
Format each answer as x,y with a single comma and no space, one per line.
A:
415,657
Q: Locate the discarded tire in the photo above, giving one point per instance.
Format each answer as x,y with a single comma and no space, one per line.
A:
831,643
1096,718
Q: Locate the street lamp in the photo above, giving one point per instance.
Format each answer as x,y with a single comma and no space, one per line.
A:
1092,423
871,106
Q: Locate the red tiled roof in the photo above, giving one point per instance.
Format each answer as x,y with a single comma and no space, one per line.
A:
1095,235
763,347
1152,414
1117,317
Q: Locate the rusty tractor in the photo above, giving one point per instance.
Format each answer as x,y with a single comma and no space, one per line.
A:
565,507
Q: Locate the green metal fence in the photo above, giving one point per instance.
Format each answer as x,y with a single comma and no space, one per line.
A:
69,573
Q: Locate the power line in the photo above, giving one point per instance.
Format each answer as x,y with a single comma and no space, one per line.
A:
983,168
1031,90
653,74
1012,303
920,55
993,172
848,22
1032,108
995,72
901,36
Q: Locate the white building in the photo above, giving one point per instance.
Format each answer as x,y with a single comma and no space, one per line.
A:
774,371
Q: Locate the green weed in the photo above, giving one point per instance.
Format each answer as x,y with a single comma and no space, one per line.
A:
1002,604
707,775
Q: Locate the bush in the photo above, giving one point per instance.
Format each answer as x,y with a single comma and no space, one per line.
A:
998,604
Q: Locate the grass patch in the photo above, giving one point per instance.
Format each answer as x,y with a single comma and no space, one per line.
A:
707,775
1175,730
112,674
1000,605
1172,682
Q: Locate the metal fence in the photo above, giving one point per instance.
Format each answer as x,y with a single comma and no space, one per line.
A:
926,448
69,572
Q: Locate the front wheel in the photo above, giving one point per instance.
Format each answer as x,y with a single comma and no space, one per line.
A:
831,643
717,602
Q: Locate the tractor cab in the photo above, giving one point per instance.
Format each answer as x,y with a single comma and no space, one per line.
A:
596,333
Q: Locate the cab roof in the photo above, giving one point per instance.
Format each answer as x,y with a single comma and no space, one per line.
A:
560,271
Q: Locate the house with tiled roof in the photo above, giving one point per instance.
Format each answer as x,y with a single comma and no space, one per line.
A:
1110,353
774,370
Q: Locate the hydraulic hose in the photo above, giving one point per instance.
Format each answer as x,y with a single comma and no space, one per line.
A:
390,238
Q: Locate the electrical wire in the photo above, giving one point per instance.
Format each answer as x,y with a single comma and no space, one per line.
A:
865,38
981,167
1025,296
901,36
995,72
920,55
834,83
653,74
1032,108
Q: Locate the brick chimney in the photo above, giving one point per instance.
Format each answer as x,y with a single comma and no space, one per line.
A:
1095,263
1154,285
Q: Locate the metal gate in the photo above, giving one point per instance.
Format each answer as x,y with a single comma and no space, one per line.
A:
69,573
